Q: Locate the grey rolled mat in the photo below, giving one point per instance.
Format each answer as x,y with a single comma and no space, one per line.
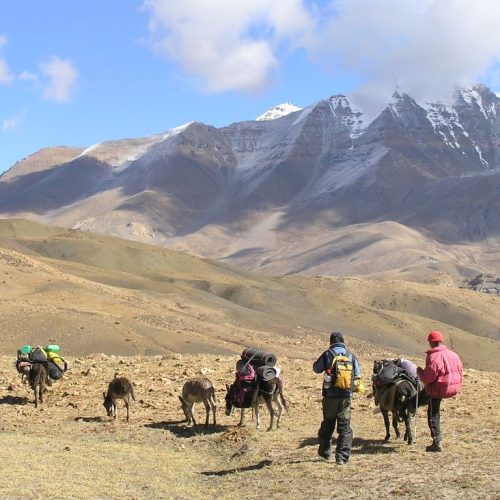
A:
258,358
266,372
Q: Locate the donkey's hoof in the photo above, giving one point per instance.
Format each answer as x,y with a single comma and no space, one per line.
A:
387,438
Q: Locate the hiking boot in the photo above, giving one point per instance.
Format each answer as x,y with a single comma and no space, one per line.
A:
325,449
434,447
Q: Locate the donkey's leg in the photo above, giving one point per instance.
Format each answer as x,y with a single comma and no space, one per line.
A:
191,413
242,418
281,406
385,414
127,406
269,404
207,411
214,407
395,423
408,433
257,413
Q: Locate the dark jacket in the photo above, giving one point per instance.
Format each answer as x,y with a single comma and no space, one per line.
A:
325,361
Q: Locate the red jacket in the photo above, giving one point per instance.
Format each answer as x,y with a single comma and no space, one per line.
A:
442,375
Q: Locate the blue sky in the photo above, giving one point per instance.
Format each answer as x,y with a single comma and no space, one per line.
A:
80,72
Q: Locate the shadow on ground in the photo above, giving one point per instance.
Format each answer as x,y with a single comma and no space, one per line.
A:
89,419
362,446
13,400
181,429
247,468
259,465
311,441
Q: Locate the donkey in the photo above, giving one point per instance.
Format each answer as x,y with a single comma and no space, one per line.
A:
38,377
198,390
265,392
119,388
402,407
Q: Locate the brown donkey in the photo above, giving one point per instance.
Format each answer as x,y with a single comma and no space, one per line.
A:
119,388
38,378
194,391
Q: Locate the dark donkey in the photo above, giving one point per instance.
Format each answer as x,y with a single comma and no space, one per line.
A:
401,403
38,377
264,392
119,388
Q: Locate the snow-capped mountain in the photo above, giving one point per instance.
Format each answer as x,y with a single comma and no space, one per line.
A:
278,111
278,194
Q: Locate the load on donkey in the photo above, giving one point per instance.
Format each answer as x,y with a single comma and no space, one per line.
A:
397,389
258,380
28,356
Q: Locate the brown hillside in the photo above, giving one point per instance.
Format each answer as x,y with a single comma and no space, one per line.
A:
93,293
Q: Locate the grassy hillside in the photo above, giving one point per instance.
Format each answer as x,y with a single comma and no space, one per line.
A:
93,293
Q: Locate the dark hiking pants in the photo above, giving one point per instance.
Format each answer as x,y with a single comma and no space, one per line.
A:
337,411
434,419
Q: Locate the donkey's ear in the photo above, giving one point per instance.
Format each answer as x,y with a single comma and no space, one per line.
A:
104,394
181,399
227,387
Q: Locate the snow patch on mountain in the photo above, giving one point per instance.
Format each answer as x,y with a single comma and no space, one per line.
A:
351,118
472,97
278,112
119,155
445,122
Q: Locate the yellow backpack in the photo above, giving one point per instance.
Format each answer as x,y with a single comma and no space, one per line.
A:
342,372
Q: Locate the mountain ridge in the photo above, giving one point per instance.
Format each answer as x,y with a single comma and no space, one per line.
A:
434,168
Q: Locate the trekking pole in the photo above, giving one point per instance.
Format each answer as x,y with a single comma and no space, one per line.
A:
416,411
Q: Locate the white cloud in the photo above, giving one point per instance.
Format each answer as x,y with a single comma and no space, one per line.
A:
27,76
427,46
61,79
9,124
5,74
227,44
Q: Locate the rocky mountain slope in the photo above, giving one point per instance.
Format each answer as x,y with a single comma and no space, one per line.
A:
323,190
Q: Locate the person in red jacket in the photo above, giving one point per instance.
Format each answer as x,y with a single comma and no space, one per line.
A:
442,377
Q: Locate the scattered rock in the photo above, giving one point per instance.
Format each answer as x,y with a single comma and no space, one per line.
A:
204,371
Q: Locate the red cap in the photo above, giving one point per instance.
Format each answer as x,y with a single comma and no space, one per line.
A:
435,336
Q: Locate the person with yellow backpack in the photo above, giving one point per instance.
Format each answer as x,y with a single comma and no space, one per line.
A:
341,377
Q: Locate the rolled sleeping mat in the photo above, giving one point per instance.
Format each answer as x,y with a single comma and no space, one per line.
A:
258,358
267,372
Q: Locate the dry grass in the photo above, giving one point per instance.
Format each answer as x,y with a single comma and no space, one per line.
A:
69,449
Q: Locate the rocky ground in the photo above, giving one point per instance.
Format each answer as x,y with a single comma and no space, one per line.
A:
69,448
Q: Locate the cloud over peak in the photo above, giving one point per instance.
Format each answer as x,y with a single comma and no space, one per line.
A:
61,78
424,45
228,45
